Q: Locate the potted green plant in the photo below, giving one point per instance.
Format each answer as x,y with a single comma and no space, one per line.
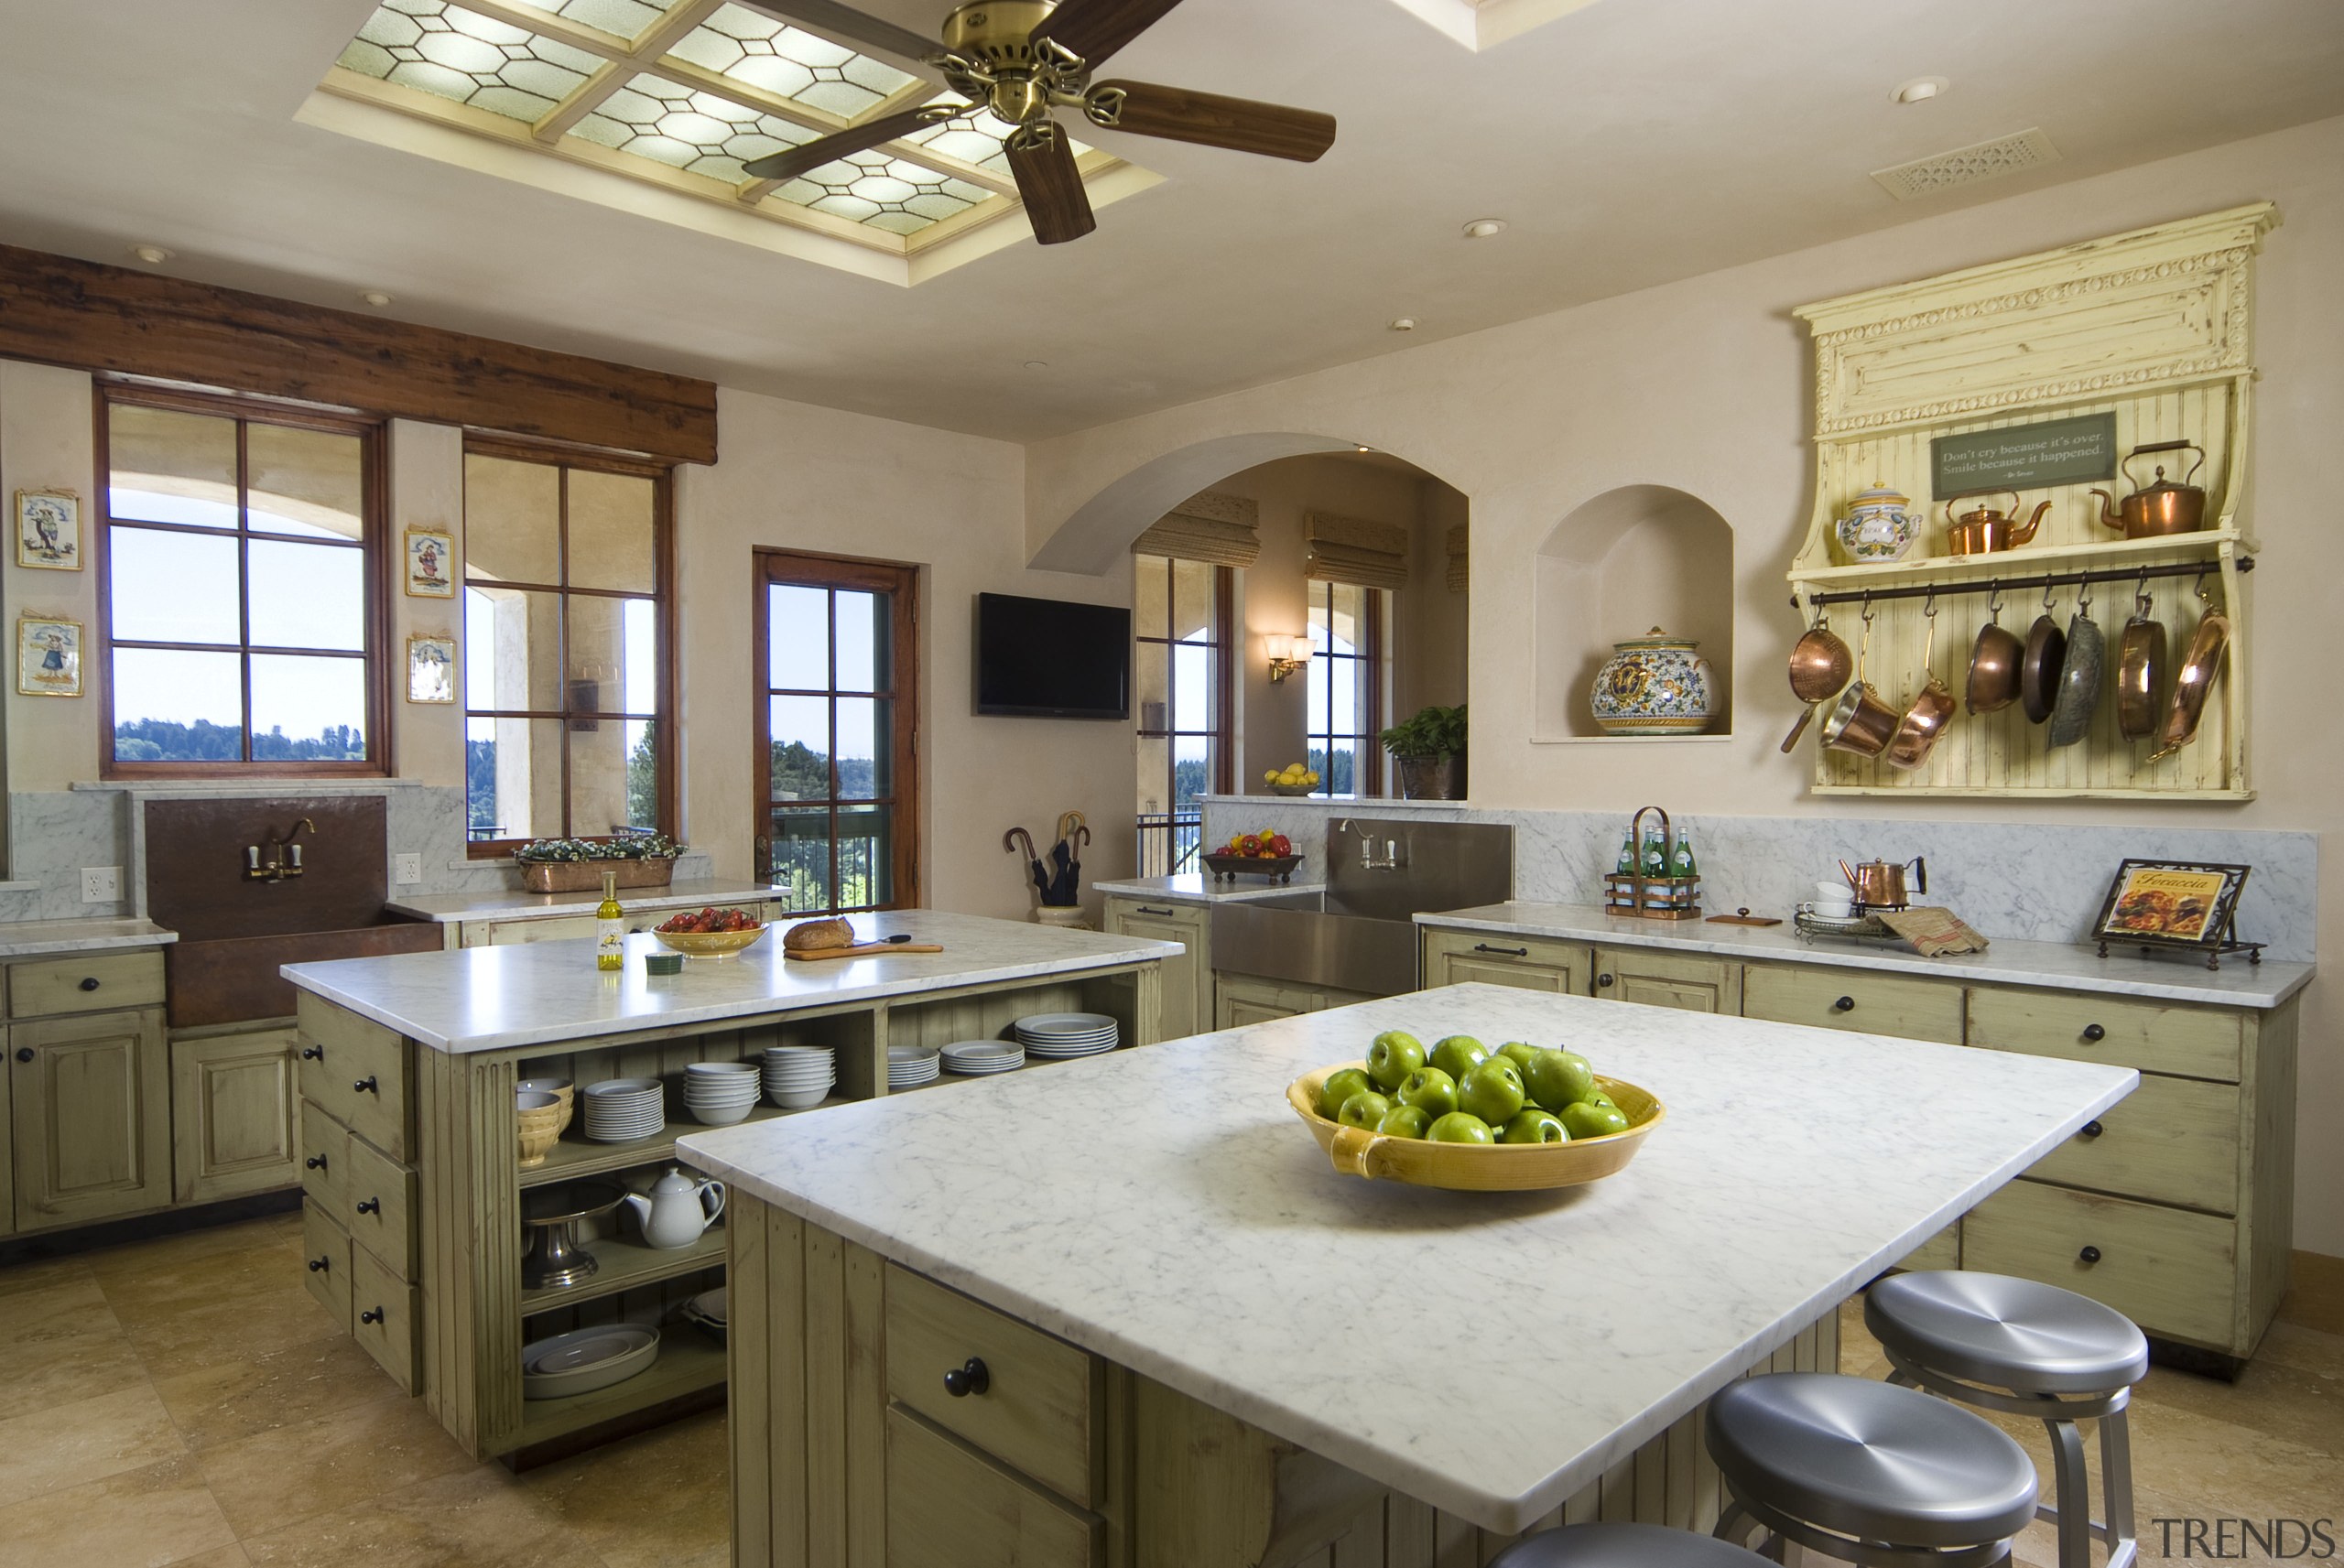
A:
1429,746
576,865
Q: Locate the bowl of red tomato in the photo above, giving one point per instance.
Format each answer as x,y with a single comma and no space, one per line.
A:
1260,854
709,932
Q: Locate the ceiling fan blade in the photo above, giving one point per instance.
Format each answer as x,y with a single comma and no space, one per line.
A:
791,164
851,24
1097,28
1052,186
1240,124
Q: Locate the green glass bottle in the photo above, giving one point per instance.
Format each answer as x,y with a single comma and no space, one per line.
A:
1655,853
1627,866
1680,859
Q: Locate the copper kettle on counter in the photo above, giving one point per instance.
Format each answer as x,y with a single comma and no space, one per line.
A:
2168,506
1985,531
1880,885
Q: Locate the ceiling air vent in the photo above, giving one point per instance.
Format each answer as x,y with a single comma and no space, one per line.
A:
1967,166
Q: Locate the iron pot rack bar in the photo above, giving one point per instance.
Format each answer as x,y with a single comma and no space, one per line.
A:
2014,584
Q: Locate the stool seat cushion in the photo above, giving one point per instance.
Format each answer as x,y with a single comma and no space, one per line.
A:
2020,1334
1625,1546
1876,1461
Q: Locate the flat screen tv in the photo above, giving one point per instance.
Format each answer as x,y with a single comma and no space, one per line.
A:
1047,659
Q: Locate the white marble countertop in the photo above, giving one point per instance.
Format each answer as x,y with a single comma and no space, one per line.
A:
512,903
1492,1353
30,938
2061,966
1194,887
544,993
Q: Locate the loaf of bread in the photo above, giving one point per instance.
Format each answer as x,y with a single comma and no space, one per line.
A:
813,935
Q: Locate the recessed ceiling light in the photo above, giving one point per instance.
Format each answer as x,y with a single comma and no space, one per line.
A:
1484,228
1037,364
153,255
1404,324
375,297
1367,449
1920,90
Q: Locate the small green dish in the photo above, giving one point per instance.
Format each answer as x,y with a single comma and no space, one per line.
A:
663,963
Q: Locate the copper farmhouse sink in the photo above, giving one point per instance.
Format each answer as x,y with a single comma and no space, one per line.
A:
229,978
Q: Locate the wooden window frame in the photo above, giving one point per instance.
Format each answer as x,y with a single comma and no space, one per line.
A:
1367,765
666,729
856,573
1223,734
374,531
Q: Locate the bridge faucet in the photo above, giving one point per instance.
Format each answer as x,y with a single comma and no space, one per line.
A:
1392,860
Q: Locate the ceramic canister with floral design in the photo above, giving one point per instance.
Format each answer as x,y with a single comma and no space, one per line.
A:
1879,526
1654,684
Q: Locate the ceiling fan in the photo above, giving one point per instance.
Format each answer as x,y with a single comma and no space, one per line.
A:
1022,60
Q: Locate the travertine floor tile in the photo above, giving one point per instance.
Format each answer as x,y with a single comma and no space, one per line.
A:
63,1368
230,1399
60,1447
277,1479
659,1500
205,1332
478,1517
42,1275
140,1519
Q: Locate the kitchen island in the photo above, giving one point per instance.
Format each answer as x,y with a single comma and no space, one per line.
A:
1200,1345
413,1192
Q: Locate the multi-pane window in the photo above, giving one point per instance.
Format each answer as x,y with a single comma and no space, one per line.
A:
836,723
1346,693
242,587
1180,621
566,648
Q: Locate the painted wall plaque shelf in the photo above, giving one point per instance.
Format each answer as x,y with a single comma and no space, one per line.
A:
2153,326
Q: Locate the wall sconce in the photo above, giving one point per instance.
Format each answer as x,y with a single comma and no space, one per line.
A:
1288,654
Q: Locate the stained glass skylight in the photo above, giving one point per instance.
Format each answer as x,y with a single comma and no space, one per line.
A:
885,192
467,57
626,19
790,62
683,128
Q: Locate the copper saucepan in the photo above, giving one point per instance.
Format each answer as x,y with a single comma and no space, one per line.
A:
1820,666
1860,721
2038,671
2193,682
1994,662
1925,721
2140,667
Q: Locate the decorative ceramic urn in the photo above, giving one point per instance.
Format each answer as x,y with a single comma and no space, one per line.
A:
1654,684
1880,525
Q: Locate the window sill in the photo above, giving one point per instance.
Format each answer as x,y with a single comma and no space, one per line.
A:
272,783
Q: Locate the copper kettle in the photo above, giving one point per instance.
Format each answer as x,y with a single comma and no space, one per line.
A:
2168,506
1985,531
1880,885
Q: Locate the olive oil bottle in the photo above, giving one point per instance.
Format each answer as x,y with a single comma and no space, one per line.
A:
610,927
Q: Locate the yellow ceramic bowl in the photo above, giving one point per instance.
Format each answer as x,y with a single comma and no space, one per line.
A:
708,944
1473,1167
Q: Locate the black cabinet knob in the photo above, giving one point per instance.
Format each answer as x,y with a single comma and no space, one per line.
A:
24,1053
970,1379
372,1314
1605,980
1844,1004
313,1052
2090,1130
89,983
2089,1255
319,1265
2094,1034
314,1162
366,1085
370,1205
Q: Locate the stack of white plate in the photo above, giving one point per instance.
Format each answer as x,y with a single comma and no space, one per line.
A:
1056,1035
585,1359
621,1110
978,1058
719,1094
909,1066
798,1076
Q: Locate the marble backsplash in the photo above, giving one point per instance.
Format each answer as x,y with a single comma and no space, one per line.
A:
53,835
2022,881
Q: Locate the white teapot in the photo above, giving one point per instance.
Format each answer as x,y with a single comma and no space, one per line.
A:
677,1209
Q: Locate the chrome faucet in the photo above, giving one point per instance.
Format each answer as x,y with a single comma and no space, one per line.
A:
1393,858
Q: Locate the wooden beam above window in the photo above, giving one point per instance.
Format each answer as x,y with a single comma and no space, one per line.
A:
59,310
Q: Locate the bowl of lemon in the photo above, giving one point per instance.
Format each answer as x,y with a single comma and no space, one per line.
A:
1292,779
1460,1115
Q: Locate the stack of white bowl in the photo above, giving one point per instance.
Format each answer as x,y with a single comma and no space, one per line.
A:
623,1111
909,1066
719,1094
798,1076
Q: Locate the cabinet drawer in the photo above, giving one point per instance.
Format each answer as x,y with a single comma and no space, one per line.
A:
1942,1250
2189,1042
1842,999
1527,963
1125,915
2173,1272
380,1208
325,1256
356,1071
381,1316
1040,1410
947,1507
1688,983
325,1159
2170,1140
100,980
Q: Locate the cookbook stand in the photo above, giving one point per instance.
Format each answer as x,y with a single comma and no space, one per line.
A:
2215,952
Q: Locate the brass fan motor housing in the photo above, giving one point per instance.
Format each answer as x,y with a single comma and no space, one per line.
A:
997,31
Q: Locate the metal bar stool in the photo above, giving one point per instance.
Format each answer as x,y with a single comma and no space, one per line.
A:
1869,1473
1623,1546
2029,1349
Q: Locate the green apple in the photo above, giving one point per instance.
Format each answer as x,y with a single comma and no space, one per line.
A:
1597,1096
1531,1125
1430,1090
1460,1127
1339,1087
1558,1079
1393,1058
1456,1055
1492,1091
1519,1052
1585,1119
1364,1108
1404,1122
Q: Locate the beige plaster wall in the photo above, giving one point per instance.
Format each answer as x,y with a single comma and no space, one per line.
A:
48,441
1704,385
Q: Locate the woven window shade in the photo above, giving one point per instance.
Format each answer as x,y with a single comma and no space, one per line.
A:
1460,557
1352,550
1220,530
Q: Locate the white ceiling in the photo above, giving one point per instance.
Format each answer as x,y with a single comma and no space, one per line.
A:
1628,143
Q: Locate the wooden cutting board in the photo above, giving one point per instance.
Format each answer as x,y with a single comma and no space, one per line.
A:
867,951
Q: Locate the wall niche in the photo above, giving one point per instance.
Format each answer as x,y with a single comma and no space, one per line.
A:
1623,562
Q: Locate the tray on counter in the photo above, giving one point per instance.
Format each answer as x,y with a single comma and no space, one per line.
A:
1228,868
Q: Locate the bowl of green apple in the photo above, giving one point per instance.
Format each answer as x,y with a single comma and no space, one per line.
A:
1459,1114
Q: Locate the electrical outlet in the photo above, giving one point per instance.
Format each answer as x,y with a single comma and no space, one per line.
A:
409,869
101,885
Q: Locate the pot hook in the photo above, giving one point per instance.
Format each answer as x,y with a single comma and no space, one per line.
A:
2141,602
1994,600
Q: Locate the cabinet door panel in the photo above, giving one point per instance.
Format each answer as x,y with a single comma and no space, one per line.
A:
1527,963
1181,1014
1831,997
1239,1002
2171,1141
91,1116
947,1507
1650,978
233,1116
2173,1272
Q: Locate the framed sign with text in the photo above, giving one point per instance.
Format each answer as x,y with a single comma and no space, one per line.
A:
2079,451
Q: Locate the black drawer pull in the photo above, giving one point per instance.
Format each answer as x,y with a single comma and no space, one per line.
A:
2092,1129
1508,952
1143,909
313,1052
972,1378
366,1085
370,1205
1603,980
89,983
372,1314
1844,1004
24,1053
314,1162
2094,1034
2089,1255
319,1265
